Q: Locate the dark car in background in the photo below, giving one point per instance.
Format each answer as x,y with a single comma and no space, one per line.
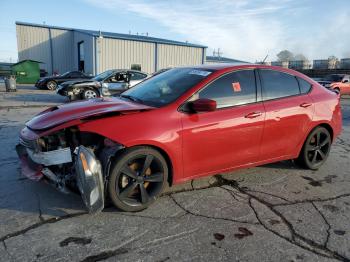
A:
108,83
51,82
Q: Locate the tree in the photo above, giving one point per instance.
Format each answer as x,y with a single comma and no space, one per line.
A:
300,57
285,56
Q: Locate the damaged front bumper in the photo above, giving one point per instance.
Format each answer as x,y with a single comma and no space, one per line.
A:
87,171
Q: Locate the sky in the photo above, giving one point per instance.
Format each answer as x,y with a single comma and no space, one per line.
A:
243,29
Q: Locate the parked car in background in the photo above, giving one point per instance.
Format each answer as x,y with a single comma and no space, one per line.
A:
328,79
108,83
51,82
180,125
342,86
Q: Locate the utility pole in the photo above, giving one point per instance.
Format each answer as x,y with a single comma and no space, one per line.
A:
218,53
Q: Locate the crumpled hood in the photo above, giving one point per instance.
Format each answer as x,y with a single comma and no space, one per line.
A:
57,115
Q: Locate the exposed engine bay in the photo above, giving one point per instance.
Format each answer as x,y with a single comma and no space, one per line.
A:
72,161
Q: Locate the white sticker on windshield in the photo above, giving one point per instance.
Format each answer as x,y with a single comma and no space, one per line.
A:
199,72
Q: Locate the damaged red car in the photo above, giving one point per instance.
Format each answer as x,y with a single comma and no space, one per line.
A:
179,125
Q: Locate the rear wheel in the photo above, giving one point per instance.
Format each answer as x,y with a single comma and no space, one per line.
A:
137,178
316,148
51,85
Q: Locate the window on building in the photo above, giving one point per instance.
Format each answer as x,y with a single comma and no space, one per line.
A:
81,56
235,88
277,84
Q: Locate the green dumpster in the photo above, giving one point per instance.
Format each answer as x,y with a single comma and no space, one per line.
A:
26,71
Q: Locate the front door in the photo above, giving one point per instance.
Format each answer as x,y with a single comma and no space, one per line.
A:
231,135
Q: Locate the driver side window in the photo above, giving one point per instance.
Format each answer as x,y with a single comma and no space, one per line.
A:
114,79
232,89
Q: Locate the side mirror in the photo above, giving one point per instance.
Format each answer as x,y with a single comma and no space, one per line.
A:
345,81
203,105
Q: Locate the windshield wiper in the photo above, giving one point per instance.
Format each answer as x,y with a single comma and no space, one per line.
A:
132,98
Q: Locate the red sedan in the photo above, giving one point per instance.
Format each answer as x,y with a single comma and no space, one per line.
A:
179,125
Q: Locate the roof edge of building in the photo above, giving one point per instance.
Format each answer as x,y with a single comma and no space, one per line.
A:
120,36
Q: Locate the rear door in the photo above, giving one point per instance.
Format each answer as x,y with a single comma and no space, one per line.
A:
289,110
229,136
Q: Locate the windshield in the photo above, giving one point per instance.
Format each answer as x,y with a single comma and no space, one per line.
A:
334,78
103,75
166,87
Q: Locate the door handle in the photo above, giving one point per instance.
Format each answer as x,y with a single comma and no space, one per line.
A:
253,115
305,105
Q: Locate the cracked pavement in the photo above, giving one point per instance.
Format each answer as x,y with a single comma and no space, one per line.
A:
269,213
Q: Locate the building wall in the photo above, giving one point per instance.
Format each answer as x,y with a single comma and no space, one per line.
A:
62,52
89,50
34,43
57,48
172,55
121,54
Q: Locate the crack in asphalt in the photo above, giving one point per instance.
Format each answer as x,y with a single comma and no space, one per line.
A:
187,211
308,244
268,194
304,201
325,244
41,223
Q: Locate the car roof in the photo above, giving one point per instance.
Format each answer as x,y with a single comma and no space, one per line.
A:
229,66
124,70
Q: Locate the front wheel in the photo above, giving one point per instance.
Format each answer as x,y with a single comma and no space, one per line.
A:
316,149
89,93
137,178
51,85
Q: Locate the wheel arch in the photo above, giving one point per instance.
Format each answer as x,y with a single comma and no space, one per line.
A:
328,127
322,124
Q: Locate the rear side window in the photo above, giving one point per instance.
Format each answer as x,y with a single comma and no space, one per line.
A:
277,84
305,86
137,76
235,88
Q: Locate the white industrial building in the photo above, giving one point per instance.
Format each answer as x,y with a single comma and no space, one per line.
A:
63,49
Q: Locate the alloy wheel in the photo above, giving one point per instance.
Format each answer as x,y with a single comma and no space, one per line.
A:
51,85
89,94
140,180
318,147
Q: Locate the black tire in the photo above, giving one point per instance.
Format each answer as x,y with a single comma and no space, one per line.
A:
138,177
51,85
89,93
316,149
